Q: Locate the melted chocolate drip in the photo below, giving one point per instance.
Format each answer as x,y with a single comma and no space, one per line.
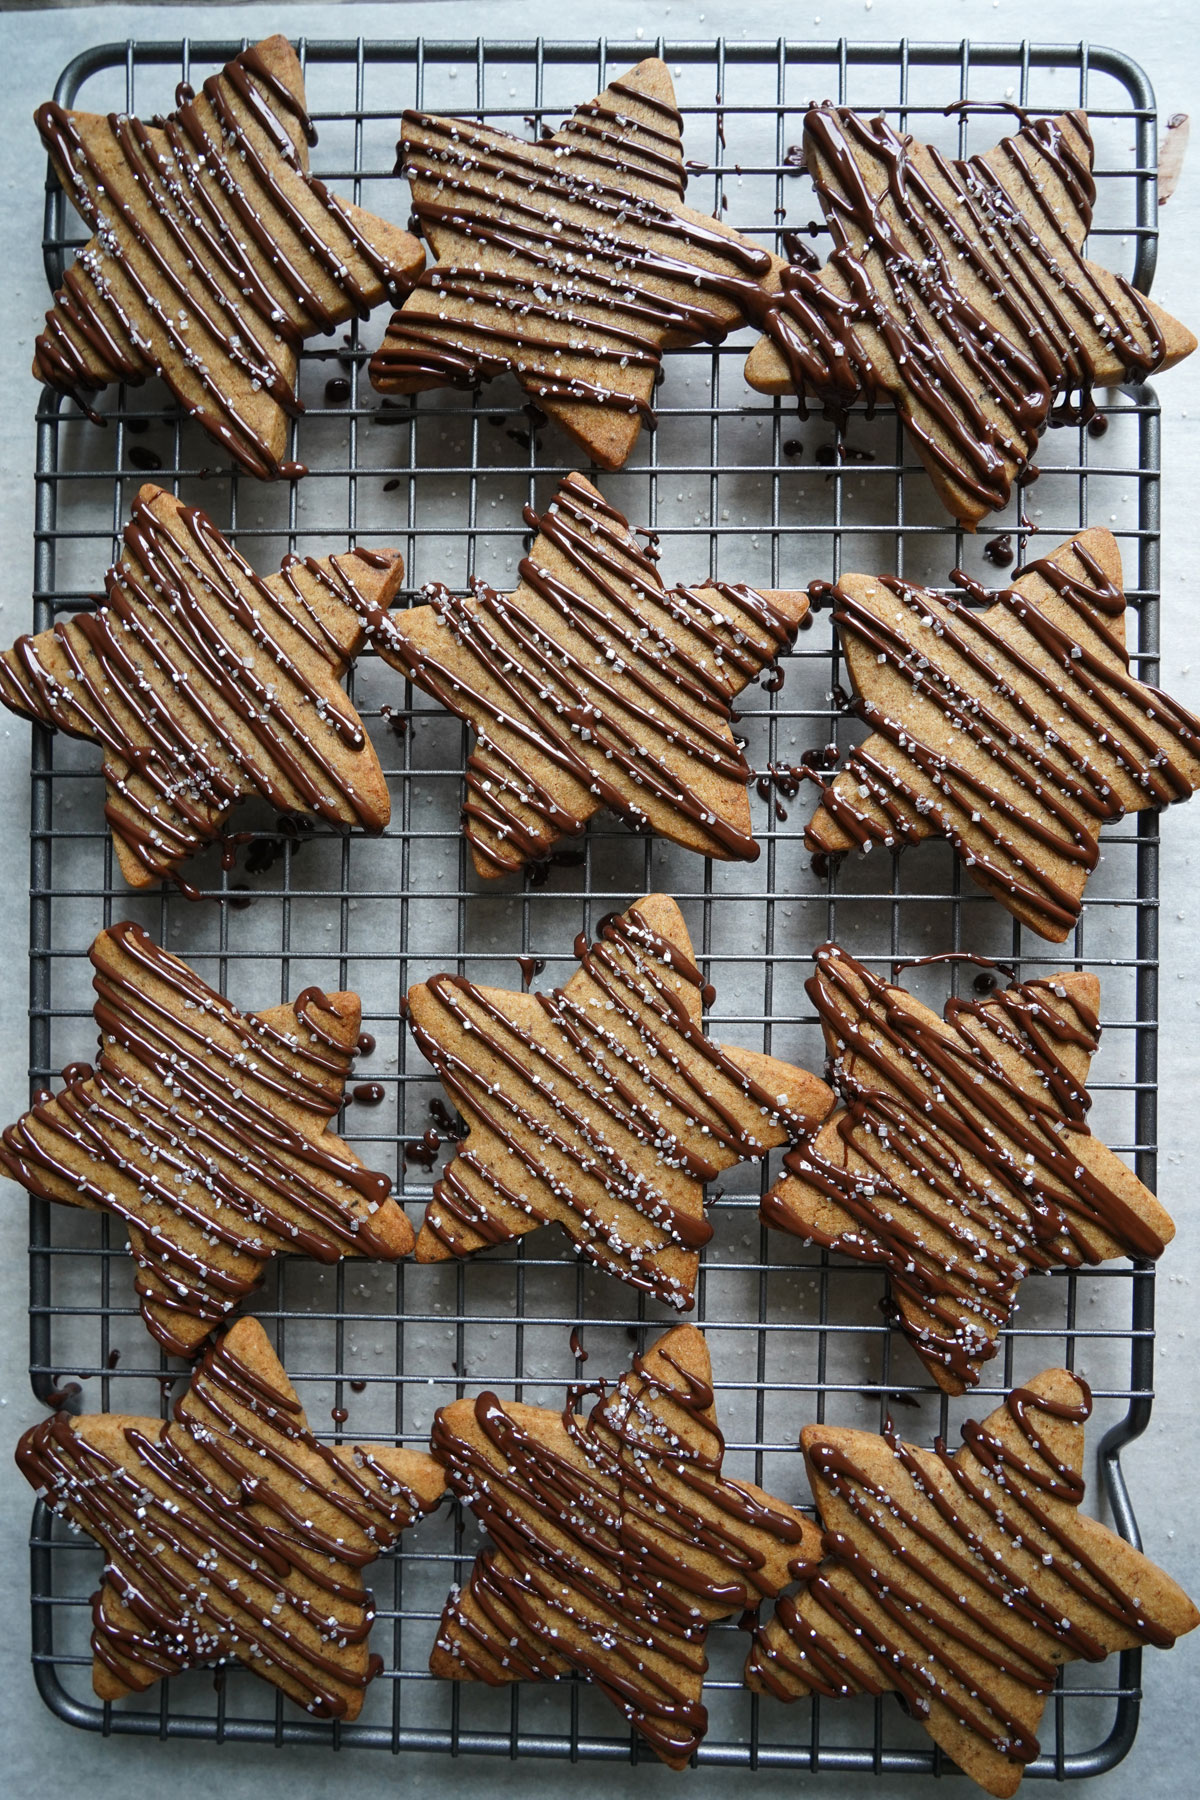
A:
785,778
423,1150
531,967
265,851
958,956
63,1397
397,722
448,1124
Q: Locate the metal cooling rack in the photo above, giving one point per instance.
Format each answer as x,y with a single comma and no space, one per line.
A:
794,1335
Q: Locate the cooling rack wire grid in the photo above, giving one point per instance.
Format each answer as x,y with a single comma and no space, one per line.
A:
739,487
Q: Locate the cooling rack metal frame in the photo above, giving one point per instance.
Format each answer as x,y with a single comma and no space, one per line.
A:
80,1286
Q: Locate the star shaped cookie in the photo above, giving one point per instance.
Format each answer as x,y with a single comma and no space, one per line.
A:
1016,729
602,1107
204,684
205,1130
214,253
960,292
571,262
960,1157
616,1541
962,1582
594,685
230,1532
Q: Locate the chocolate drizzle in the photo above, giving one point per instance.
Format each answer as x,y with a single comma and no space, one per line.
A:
569,261
215,254
594,686
960,290
616,1541
203,1128
958,1158
590,1092
962,1582
209,1526
1019,732
204,684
